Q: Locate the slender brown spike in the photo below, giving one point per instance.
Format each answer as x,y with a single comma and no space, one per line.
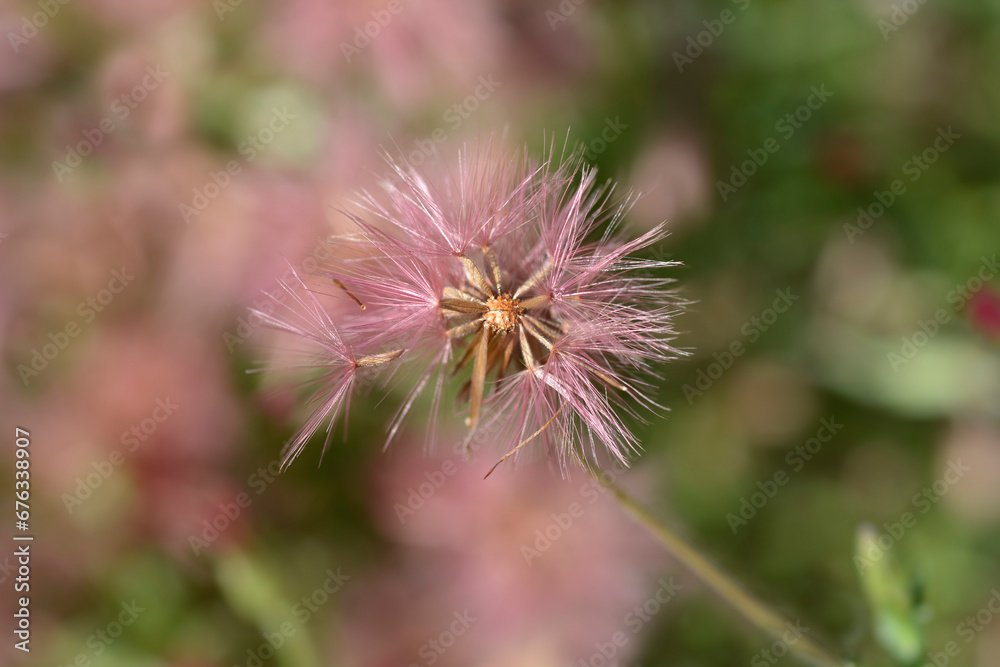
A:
469,351
452,293
378,359
508,352
547,328
344,287
476,276
533,280
477,294
463,330
526,356
463,306
542,328
536,333
534,301
533,436
553,327
494,266
497,344
478,378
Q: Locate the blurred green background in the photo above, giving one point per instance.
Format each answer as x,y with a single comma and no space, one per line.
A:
830,173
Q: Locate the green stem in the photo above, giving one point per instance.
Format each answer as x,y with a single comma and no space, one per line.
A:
753,610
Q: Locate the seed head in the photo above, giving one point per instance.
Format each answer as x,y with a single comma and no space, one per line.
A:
491,272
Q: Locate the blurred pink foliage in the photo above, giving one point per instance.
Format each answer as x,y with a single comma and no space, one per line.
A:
984,311
547,566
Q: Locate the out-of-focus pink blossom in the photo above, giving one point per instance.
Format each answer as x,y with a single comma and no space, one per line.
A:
510,555
673,177
975,445
984,311
27,55
141,15
426,47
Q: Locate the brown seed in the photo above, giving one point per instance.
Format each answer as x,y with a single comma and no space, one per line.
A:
504,313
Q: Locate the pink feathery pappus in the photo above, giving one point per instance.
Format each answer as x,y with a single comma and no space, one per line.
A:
513,274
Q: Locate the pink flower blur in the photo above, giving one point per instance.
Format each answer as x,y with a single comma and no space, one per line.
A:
984,311
497,553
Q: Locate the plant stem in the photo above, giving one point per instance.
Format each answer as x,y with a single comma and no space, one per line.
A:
753,610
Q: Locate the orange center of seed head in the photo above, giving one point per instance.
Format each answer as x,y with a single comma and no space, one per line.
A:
504,313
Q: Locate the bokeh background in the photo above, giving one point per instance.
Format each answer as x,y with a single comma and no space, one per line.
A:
831,176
